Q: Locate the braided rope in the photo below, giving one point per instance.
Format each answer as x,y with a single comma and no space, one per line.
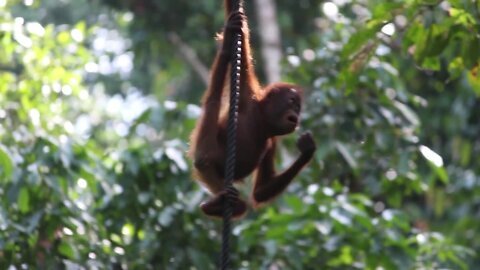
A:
236,65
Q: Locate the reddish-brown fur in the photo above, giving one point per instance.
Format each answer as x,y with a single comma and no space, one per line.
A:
264,114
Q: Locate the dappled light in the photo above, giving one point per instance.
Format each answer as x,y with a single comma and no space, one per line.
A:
330,10
388,29
431,156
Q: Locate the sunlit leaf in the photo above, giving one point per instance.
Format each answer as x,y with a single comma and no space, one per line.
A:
456,67
66,250
24,200
90,178
341,216
166,216
346,154
6,164
4,221
63,37
175,155
128,230
441,173
431,156
431,63
408,113
462,17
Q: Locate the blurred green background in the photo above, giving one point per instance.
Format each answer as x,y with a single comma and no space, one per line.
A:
97,100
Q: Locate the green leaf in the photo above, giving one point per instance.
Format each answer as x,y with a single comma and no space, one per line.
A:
431,63
462,17
429,43
91,179
24,200
165,218
384,10
176,156
128,229
466,150
341,216
456,67
471,51
199,257
142,118
4,221
63,38
66,250
408,113
6,164
346,153
474,79
295,203
360,39
441,173
34,220
429,2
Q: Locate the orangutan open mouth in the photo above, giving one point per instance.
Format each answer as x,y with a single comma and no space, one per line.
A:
292,119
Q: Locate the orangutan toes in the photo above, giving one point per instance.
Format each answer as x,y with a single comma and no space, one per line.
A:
214,206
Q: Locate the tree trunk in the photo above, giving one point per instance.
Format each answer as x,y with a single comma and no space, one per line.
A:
270,38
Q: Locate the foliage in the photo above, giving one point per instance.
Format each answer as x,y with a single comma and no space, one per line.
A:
94,173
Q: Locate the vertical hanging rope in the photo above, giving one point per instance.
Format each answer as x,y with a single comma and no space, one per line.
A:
236,64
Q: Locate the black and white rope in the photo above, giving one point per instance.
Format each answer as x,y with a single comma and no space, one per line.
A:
236,65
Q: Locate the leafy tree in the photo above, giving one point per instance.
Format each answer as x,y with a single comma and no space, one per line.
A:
94,172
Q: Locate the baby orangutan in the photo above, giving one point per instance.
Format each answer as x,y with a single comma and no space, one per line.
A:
264,114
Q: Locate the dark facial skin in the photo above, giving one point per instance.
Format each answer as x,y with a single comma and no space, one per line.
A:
282,110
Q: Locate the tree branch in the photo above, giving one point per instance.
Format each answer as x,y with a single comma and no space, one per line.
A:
17,69
190,56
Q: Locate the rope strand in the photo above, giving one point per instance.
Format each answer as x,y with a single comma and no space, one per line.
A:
236,65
